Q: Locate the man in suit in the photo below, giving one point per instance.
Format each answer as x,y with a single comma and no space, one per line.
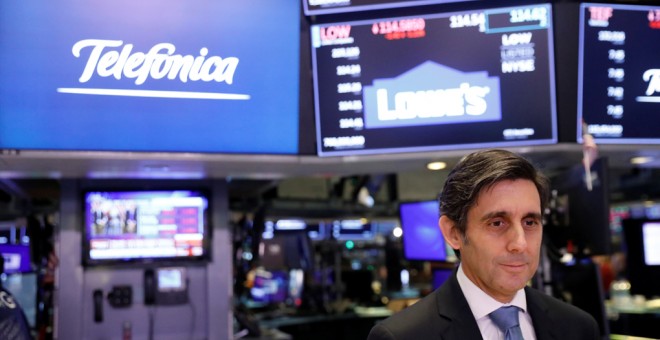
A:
491,215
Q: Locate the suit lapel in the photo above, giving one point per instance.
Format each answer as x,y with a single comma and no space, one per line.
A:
456,319
544,326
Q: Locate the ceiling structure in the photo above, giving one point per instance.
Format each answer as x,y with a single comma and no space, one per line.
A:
29,179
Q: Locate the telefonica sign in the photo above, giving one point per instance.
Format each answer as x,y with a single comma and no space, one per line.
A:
113,58
432,94
220,76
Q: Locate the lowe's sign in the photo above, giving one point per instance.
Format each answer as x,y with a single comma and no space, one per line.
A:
432,94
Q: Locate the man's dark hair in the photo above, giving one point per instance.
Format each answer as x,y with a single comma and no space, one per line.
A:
479,171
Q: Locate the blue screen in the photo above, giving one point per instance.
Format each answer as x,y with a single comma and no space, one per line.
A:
422,238
175,76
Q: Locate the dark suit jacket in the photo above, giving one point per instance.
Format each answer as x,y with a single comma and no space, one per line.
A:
445,314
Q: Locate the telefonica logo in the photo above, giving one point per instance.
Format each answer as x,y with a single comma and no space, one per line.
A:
113,58
432,94
652,77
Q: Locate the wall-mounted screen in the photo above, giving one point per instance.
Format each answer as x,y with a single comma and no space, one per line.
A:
436,81
175,76
422,238
315,7
17,258
352,230
145,226
619,73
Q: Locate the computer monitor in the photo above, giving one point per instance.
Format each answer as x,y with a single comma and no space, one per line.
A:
422,238
131,226
641,246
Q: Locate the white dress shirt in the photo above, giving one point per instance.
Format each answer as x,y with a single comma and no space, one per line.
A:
482,304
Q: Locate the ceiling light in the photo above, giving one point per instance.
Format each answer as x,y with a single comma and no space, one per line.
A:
436,165
640,160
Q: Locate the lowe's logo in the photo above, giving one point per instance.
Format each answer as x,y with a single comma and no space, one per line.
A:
432,94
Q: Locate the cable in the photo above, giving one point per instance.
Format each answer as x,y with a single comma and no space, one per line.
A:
193,310
151,323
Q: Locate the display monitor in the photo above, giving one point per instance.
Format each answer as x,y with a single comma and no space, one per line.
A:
641,246
145,226
619,75
422,238
152,76
316,7
435,81
16,257
352,230
651,243
269,287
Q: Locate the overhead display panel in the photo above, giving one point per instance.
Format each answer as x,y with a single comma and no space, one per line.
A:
619,73
152,75
437,81
316,7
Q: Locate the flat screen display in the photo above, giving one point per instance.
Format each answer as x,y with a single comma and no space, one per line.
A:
422,238
150,75
17,258
651,240
619,73
352,230
437,81
315,7
144,226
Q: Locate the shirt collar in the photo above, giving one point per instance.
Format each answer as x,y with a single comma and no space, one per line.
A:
483,304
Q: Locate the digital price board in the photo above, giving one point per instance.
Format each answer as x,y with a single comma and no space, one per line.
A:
437,81
619,73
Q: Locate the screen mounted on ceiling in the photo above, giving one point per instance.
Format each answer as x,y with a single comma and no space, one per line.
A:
315,7
436,81
145,226
182,76
619,73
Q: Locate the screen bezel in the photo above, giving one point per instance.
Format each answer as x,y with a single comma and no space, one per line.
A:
378,150
88,261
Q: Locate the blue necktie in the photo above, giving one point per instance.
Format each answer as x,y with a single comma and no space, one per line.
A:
506,318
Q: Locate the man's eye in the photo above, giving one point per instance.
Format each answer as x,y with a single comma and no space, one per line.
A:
531,223
497,224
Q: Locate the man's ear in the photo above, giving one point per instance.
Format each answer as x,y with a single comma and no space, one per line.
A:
451,234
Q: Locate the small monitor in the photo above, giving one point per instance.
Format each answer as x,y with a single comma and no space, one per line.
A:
352,230
269,286
422,237
651,241
171,279
145,226
17,258
641,245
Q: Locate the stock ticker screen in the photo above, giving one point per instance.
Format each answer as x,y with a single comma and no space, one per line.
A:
437,81
619,73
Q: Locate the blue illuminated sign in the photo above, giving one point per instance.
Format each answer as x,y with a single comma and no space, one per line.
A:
179,76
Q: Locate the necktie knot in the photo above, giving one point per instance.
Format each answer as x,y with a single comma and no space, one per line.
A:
506,319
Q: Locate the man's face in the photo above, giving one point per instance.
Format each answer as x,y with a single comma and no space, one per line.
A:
503,238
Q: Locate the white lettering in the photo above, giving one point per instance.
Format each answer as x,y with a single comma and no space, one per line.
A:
617,37
158,63
516,39
653,77
433,103
526,65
